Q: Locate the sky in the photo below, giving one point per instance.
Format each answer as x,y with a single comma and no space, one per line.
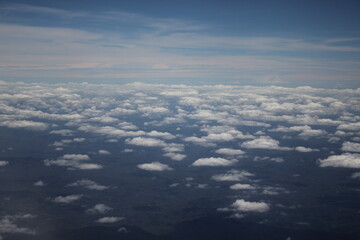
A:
285,43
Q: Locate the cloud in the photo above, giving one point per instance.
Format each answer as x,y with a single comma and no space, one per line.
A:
229,151
346,160
67,199
351,147
305,149
175,156
63,132
154,166
39,184
263,143
30,125
99,209
8,225
73,161
109,219
245,206
242,186
233,176
213,162
104,152
3,163
349,126
89,184
164,135
274,159
146,142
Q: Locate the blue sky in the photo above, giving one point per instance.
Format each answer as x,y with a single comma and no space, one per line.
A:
289,43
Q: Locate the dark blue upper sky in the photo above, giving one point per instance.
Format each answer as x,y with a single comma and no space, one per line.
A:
242,42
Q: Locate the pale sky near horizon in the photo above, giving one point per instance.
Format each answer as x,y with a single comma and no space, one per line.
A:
286,43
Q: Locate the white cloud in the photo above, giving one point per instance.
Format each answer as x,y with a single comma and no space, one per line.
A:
346,160
3,163
146,142
229,151
164,135
313,133
63,132
104,152
242,186
31,125
349,126
109,219
233,176
99,209
89,184
245,206
175,156
73,161
274,159
263,143
154,166
305,149
67,199
39,184
8,225
351,147
213,162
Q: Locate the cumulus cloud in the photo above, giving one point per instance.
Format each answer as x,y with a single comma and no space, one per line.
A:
175,156
263,143
89,184
67,199
99,209
346,160
39,184
146,142
233,175
30,125
73,161
305,149
349,126
8,225
242,186
3,163
104,152
157,134
63,132
229,151
109,219
154,166
273,159
245,206
351,147
213,162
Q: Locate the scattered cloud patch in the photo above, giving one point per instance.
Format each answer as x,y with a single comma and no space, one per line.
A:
263,143
99,209
213,162
305,149
109,219
229,151
233,176
3,163
346,160
154,166
67,199
351,147
89,184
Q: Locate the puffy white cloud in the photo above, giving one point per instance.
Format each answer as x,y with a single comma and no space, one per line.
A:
67,199
264,143
305,149
109,219
104,152
99,209
3,163
233,176
164,135
31,125
89,184
73,161
154,166
274,159
242,186
313,133
346,160
146,142
244,206
63,132
39,184
8,225
213,162
291,129
349,126
351,147
175,156
229,151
